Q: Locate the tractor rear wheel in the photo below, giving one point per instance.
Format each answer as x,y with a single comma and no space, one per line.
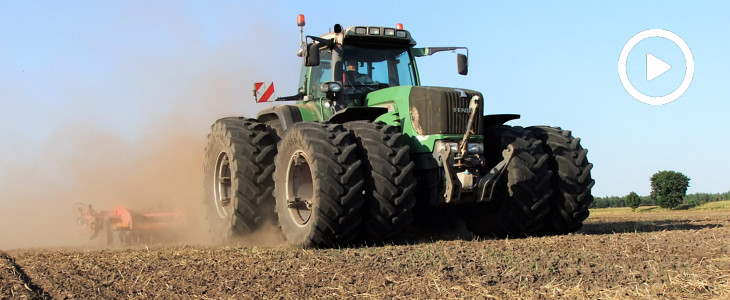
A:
571,180
389,180
239,162
319,185
521,196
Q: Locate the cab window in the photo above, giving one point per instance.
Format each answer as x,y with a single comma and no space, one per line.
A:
381,67
320,74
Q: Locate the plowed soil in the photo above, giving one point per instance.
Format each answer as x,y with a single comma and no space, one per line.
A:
616,255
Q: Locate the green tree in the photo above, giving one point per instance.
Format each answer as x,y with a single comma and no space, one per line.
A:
668,188
633,200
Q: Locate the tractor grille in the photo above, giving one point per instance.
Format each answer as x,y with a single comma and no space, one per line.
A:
437,110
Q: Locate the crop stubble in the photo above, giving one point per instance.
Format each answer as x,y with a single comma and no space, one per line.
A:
626,255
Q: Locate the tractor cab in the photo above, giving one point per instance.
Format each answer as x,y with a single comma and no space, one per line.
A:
341,70
343,66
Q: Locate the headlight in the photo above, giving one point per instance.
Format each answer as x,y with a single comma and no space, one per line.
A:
335,87
330,87
475,148
443,146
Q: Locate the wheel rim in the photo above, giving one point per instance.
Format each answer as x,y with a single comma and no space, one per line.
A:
222,186
299,189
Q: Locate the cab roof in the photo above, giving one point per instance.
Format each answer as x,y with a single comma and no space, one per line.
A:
372,34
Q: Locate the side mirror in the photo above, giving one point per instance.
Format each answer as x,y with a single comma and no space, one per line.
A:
311,57
462,63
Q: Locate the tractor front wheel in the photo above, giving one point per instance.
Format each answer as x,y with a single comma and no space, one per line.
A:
571,180
319,185
389,180
521,196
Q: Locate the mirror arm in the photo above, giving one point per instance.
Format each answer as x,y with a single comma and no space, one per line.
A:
328,42
298,96
428,51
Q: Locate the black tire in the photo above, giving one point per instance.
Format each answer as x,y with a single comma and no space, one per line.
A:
238,183
389,180
276,127
571,180
319,185
522,193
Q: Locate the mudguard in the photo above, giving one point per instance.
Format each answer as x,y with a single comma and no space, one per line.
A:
493,120
287,114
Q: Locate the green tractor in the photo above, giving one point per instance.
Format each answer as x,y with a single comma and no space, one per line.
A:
367,154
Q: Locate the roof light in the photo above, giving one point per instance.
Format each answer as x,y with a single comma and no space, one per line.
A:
400,33
361,30
374,31
399,26
300,20
389,32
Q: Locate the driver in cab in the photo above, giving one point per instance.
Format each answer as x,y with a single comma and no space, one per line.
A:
353,77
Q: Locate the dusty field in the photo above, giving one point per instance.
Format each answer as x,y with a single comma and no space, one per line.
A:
617,255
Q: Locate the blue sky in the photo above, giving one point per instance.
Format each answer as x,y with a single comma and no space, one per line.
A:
119,66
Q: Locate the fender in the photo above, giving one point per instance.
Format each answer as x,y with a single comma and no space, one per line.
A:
493,120
287,115
357,113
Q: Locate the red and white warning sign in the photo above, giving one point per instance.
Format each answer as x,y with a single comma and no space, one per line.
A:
263,91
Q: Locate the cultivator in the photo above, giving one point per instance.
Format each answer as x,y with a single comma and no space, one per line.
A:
122,226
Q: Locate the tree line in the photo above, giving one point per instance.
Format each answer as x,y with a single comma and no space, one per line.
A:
689,199
668,190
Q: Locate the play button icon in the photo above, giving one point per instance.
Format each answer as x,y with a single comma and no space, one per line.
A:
655,67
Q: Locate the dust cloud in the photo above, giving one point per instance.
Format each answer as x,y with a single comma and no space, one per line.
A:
154,165
162,172
78,164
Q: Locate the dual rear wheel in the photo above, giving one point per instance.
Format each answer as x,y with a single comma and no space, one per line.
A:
327,184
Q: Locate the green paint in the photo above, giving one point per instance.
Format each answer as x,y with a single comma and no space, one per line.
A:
396,99
310,111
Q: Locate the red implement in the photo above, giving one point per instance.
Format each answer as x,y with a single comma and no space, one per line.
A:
125,226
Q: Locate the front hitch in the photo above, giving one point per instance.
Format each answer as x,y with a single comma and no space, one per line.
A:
473,105
453,186
487,184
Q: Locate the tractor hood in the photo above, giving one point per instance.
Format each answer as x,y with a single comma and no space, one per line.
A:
430,110
441,110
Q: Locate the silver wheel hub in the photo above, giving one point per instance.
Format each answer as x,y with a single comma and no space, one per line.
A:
299,188
223,186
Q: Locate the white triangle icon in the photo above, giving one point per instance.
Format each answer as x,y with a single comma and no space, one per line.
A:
655,67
